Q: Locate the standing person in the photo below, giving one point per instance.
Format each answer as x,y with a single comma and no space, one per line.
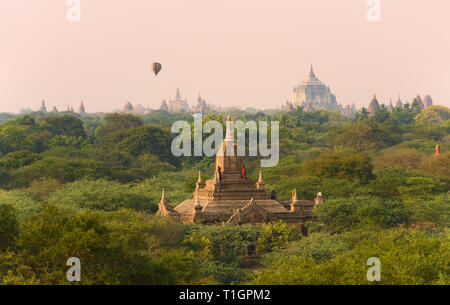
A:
219,170
244,172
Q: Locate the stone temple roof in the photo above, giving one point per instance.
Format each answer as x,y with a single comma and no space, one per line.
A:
311,80
231,196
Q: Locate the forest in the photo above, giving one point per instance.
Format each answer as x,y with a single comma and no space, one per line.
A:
88,186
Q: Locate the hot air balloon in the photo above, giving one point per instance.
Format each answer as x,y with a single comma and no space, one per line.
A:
156,67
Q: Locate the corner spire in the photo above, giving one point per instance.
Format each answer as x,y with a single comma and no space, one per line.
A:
229,134
197,205
260,183
294,195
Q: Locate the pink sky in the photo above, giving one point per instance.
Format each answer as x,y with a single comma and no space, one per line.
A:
235,52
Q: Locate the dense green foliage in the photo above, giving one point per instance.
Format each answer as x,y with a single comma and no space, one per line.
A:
88,187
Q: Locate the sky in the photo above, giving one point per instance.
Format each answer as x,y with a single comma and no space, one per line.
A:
245,53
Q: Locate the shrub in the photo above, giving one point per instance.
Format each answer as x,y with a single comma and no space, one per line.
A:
407,257
57,168
436,210
23,205
276,235
344,214
18,159
354,167
405,159
8,226
436,165
101,195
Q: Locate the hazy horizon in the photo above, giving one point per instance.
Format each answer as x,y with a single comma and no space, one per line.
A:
235,53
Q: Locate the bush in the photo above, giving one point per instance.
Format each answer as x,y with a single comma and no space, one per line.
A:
230,243
102,195
433,115
59,169
435,211
143,140
68,141
344,214
354,167
408,159
23,205
65,125
8,226
422,187
407,258
317,246
276,236
18,159
436,165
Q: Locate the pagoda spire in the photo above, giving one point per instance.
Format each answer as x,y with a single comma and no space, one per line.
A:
311,72
164,207
43,107
200,183
229,133
196,200
294,195
178,96
260,183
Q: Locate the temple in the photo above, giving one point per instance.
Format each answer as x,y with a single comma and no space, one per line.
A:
234,198
313,95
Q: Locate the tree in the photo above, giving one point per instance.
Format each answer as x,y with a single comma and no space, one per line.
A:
8,226
363,135
102,195
276,235
18,159
434,115
65,125
140,140
342,214
354,167
362,115
68,141
116,122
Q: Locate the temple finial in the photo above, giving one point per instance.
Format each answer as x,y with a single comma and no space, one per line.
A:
229,132
162,195
199,177
311,72
260,176
294,195
197,205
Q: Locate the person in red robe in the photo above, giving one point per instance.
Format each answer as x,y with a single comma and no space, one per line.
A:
244,172
219,170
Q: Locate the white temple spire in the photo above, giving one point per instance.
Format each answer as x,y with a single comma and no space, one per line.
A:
229,132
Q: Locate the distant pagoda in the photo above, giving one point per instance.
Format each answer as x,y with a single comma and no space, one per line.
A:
81,110
374,106
313,95
43,108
